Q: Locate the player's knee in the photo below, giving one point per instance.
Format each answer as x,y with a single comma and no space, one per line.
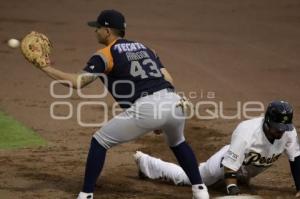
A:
175,141
181,179
104,140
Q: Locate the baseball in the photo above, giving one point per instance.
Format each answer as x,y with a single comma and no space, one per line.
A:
13,43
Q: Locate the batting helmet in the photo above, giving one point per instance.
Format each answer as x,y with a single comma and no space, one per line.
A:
279,115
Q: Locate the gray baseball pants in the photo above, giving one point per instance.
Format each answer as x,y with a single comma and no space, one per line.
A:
152,112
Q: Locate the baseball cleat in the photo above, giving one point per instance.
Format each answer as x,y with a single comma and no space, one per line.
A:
200,192
83,195
137,156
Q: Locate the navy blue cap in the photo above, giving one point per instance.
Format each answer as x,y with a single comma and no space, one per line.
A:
279,115
111,19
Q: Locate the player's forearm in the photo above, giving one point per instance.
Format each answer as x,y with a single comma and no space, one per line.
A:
70,78
229,181
230,177
295,169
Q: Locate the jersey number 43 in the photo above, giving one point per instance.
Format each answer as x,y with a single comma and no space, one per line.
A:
137,69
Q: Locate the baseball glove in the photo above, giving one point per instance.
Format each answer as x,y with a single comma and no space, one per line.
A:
36,48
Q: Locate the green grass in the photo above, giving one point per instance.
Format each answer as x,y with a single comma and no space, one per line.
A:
14,135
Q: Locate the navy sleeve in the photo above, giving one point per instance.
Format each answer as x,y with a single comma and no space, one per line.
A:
95,65
295,168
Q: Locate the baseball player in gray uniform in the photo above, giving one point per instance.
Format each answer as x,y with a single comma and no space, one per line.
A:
142,86
255,145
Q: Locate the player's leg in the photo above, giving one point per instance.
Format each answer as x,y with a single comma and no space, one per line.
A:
185,156
211,171
94,165
118,130
155,168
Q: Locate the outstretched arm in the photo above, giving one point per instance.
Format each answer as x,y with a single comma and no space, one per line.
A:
76,80
230,177
295,169
234,157
36,48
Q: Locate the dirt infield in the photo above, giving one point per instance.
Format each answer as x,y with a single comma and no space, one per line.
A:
240,50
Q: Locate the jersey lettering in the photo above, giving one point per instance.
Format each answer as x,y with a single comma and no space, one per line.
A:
129,47
257,159
135,56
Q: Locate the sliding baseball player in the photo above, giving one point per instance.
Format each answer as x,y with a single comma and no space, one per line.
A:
255,145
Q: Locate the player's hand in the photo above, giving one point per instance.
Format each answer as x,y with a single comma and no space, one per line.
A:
233,189
297,194
184,103
158,132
